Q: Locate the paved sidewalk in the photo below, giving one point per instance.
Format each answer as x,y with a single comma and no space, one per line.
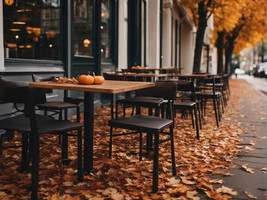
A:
252,105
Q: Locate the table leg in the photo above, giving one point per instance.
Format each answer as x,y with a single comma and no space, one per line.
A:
113,102
88,131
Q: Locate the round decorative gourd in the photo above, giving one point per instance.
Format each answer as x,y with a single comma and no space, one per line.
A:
99,79
86,79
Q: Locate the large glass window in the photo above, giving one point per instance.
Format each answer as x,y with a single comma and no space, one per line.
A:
32,29
82,27
106,29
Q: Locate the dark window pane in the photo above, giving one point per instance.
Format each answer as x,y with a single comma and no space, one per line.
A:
106,29
32,29
83,21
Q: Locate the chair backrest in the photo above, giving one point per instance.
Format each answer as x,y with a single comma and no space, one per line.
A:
207,83
165,90
12,91
185,89
36,78
19,92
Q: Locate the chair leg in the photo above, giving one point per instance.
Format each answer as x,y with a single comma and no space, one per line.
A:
60,118
24,152
1,141
78,113
110,142
156,163
196,121
172,152
35,165
116,110
141,146
149,141
218,105
215,111
64,150
192,118
199,116
80,161
66,114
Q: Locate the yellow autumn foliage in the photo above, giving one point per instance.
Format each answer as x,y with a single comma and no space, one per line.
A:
255,25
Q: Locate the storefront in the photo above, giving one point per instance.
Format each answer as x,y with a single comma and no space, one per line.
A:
58,37
72,37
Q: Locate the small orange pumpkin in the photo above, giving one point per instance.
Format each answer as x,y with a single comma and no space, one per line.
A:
99,79
86,79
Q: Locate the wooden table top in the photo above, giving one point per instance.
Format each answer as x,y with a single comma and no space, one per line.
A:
138,74
192,75
108,87
155,69
146,75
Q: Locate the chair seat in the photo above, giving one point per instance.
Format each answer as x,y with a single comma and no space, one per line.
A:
142,100
56,105
74,100
183,104
44,124
141,123
208,95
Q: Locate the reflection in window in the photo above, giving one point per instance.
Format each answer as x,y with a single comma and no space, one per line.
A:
32,29
83,21
106,29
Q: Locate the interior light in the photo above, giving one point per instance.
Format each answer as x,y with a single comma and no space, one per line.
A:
23,10
50,45
18,22
15,29
102,14
86,42
35,30
50,34
17,36
101,27
11,45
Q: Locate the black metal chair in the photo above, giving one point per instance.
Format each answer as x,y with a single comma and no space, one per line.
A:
152,125
32,126
186,101
59,106
207,91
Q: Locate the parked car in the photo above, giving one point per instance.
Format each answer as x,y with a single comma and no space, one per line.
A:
261,70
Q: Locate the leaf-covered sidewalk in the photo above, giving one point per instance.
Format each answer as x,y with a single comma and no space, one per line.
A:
123,176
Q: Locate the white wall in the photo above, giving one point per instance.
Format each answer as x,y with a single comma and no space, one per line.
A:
153,13
213,50
1,38
166,37
187,48
123,35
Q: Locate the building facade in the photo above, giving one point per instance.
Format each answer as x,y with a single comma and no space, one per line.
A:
72,37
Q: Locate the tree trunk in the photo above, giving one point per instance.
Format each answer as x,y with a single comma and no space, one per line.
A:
202,24
219,45
228,56
229,46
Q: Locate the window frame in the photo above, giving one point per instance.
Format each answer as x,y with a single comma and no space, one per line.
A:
113,60
24,63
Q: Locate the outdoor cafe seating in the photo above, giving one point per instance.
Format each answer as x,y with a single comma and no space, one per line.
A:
153,126
59,107
33,125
